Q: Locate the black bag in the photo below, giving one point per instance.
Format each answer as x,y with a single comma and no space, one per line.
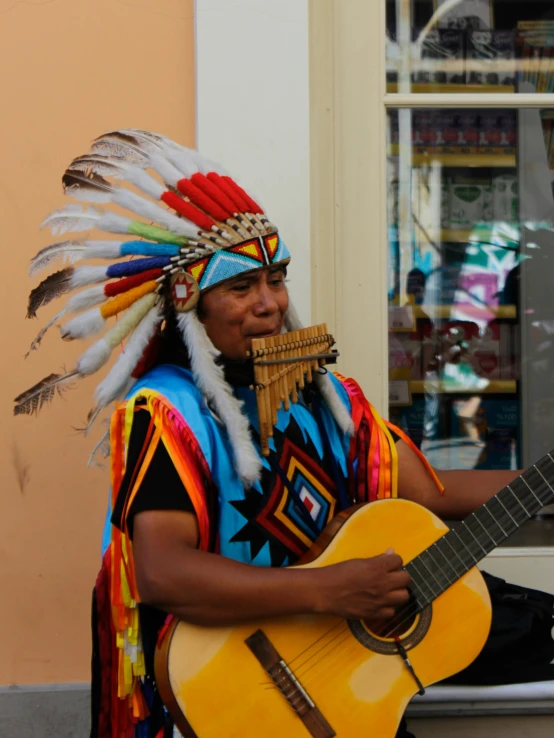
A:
520,646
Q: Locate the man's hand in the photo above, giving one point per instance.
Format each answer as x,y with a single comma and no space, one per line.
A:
366,589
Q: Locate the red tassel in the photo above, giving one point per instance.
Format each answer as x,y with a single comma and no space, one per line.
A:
189,211
123,285
241,206
196,196
210,189
252,205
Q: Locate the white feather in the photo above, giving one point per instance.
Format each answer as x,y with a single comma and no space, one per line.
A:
108,146
182,160
86,194
323,381
210,380
206,165
149,141
103,249
147,209
72,218
144,182
99,448
83,325
102,165
38,338
292,319
94,358
167,171
86,299
98,410
334,403
88,275
69,251
109,389
114,223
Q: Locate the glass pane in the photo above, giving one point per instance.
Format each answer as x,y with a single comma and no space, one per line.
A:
471,284
470,46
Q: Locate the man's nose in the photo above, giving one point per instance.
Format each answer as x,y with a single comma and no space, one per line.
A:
265,300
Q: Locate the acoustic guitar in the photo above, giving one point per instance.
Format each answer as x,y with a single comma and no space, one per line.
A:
322,676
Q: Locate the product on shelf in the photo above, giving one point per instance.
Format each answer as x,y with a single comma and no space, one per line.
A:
486,50
442,58
534,42
505,200
423,131
468,133
507,125
466,14
470,199
446,131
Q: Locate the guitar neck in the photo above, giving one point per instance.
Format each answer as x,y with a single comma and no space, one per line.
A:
469,541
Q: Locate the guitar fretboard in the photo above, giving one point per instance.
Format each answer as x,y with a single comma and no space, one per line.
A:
469,541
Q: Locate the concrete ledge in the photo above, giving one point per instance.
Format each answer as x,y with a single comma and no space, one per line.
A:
45,711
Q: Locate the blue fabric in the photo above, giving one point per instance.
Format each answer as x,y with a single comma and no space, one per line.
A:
128,268
176,384
107,532
146,248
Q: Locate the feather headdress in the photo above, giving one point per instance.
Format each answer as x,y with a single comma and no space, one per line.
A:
187,226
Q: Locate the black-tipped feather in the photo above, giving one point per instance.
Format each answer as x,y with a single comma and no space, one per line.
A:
32,400
93,186
53,286
121,145
99,164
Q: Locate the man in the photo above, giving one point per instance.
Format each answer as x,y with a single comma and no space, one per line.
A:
195,533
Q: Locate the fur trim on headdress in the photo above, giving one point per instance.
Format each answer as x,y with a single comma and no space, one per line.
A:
210,380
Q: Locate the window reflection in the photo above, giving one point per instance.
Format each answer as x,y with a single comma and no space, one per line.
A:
470,45
471,316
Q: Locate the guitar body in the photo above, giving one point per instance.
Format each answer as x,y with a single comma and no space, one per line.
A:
214,685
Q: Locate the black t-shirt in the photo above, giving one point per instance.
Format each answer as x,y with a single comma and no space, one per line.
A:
161,487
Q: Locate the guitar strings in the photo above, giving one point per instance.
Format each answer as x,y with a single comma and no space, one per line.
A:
340,624
406,613
403,616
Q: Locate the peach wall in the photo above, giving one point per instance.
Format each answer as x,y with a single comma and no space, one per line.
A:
69,70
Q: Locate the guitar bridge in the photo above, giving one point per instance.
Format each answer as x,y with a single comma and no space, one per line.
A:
289,685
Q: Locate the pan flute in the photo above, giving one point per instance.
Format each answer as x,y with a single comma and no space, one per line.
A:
282,366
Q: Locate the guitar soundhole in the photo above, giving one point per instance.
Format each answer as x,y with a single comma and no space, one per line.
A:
391,629
411,631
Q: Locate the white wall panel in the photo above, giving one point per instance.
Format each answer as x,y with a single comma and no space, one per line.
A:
253,112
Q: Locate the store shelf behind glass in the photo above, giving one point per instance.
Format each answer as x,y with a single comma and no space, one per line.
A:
495,386
504,312
392,88
500,159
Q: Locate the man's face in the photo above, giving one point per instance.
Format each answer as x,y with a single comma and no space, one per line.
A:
243,308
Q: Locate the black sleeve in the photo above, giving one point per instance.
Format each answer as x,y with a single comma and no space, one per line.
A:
161,487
